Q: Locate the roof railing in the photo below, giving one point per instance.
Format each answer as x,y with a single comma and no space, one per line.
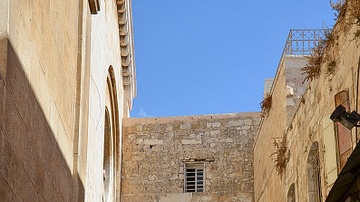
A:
302,41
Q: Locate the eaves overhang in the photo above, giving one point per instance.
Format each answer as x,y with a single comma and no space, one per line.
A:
124,11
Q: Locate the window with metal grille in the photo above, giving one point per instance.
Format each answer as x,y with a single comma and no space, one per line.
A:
194,177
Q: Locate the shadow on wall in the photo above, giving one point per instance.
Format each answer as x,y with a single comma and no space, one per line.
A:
32,167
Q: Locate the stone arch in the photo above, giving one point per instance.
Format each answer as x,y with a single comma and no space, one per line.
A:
108,160
291,193
313,173
111,140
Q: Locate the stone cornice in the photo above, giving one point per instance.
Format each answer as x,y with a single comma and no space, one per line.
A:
126,34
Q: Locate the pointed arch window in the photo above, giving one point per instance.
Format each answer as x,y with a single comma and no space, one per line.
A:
108,159
291,193
111,140
313,173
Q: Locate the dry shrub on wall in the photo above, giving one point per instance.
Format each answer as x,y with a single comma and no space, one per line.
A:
354,10
266,105
313,67
280,156
317,57
339,7
331,68
357,34
347,14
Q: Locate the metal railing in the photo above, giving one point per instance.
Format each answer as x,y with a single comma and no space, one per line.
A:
302,41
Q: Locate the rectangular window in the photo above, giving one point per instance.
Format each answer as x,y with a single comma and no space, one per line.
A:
94,6
194,177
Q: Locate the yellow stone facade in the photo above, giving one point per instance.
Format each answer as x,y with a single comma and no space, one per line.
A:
314,160
67,78
67,81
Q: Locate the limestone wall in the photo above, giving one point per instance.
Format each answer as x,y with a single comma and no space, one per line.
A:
155,150
286,92
105,57
309,126
55,61
37,100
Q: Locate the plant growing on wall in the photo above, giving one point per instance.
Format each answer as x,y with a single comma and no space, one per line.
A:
331,68
281,155
350,8
357,34
266,104
317,57
354,10
313,67
338,7
347,14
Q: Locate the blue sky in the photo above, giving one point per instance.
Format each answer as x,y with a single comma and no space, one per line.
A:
208,57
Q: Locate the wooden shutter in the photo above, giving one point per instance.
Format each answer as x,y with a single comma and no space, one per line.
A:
343,134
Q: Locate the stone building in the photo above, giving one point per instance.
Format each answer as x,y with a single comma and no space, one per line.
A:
312,158
67,78
194,158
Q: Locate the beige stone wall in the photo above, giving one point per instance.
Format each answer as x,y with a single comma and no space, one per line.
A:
55,60
44,37
155,150
38,94
33,167
284,93
310,124
105,55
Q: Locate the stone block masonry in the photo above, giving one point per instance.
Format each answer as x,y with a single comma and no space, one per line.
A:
155,151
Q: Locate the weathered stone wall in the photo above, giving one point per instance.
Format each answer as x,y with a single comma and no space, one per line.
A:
285,93
105,57
32,166
55,59
310,125
155,149
38,70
